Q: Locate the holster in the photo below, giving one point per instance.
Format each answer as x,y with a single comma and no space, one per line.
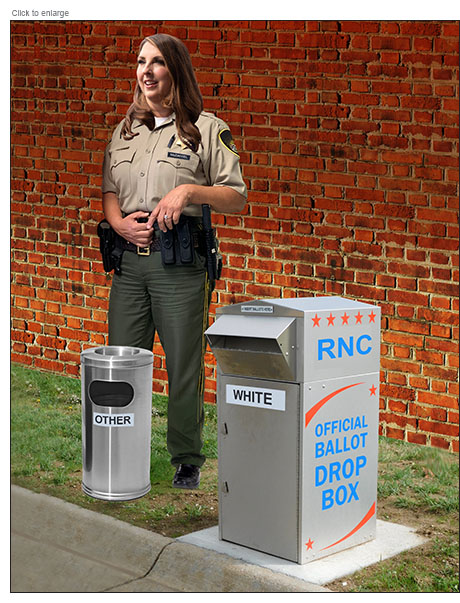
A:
110,247
213,257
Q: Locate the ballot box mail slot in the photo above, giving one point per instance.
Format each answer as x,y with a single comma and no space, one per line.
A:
265,348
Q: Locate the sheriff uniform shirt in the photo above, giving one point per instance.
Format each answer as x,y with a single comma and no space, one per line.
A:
141,171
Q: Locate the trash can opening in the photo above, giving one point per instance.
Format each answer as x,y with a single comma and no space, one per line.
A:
111,393
117,351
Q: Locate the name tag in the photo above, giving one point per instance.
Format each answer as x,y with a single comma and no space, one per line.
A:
178,155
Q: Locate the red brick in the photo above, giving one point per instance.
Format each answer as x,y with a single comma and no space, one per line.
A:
441,443
438,428
397,434
416,438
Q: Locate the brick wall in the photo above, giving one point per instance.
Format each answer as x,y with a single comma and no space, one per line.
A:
348,137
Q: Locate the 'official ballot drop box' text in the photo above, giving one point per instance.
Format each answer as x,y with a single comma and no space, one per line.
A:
298,403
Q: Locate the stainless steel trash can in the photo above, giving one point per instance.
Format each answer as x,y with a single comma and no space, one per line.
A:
116,386
298,401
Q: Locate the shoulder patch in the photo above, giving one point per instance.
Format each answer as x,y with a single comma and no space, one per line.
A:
227,140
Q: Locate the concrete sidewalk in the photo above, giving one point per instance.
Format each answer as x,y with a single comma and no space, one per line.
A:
59,547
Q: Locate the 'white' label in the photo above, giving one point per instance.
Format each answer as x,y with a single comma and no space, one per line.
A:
273,399
106,420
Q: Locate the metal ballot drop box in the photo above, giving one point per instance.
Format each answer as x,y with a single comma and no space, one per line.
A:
298,402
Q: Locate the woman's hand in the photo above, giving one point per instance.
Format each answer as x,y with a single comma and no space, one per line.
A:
170,208
221,198
127,227
133,231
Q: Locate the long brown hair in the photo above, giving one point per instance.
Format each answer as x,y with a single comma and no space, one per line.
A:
184,99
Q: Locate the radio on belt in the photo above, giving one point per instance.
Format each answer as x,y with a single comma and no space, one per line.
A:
116,388
298,403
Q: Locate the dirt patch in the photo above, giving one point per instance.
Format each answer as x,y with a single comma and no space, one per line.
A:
190,512
166,510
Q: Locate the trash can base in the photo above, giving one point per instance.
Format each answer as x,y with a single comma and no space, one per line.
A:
111,496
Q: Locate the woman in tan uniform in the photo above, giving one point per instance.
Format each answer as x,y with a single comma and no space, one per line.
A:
166,159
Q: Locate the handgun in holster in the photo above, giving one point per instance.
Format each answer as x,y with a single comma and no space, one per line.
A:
110,247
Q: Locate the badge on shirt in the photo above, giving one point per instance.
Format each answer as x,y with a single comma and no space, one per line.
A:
227,140
181,144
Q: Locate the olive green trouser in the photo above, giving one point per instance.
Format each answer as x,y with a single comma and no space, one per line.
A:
173,301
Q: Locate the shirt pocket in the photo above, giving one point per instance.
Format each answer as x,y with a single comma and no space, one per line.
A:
121,163
173,169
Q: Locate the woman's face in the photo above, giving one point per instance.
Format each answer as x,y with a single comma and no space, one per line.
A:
153,77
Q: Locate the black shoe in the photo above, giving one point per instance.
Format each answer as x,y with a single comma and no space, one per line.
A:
187,477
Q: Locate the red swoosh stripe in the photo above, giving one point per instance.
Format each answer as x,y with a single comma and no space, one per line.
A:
364,520
312,412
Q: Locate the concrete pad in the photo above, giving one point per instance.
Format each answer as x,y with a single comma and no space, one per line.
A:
391,539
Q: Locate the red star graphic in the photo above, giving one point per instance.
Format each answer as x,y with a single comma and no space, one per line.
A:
316,320
373,390
345,318
358,318
309,544
372,317
330,319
